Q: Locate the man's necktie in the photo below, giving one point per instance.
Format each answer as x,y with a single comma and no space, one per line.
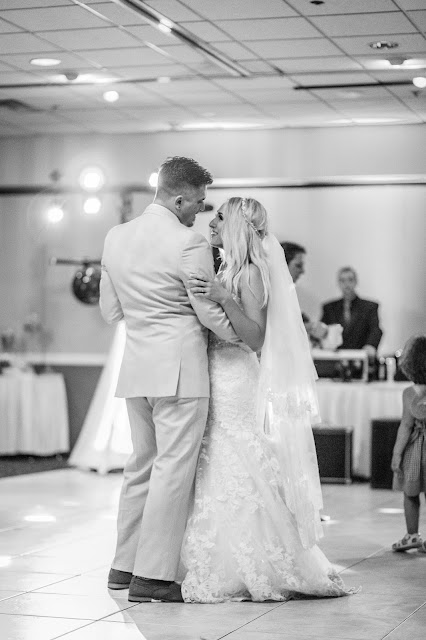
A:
346,312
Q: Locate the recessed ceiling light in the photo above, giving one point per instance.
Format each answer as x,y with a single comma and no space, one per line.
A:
419,82
383,44
396,61
111,96
45,62
163,79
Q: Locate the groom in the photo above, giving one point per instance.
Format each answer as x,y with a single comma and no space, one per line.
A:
164,374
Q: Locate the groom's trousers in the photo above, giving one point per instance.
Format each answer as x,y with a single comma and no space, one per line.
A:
158,484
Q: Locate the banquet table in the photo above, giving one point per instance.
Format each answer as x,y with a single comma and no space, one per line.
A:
356,404
33,413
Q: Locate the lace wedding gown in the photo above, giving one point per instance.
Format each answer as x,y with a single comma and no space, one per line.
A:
242,541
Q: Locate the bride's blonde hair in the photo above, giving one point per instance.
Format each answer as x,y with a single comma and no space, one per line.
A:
245,224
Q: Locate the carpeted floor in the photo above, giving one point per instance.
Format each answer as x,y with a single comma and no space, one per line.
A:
20,465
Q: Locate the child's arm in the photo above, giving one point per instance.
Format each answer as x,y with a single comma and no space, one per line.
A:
404,431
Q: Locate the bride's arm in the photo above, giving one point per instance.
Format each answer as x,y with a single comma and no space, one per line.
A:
249,322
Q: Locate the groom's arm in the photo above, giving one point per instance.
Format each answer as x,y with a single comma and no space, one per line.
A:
197,259
108,299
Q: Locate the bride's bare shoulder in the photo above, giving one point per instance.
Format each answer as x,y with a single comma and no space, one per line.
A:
252,282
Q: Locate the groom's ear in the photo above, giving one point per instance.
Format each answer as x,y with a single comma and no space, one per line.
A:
178,202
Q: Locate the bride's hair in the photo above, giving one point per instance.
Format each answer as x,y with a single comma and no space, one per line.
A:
245,224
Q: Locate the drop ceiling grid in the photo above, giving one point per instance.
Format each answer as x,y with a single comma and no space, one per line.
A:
219,23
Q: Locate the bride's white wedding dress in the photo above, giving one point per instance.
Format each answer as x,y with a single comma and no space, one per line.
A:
242,542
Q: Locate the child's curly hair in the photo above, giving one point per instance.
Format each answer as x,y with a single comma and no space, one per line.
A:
413,359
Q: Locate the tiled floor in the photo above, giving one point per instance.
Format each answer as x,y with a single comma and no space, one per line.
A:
57,532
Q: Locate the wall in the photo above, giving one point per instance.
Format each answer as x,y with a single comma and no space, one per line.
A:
380,230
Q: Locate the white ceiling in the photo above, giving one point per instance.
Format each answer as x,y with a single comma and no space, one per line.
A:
280,44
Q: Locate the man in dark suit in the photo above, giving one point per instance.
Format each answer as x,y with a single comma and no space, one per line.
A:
359,318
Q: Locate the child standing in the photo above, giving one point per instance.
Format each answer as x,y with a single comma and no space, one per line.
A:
409,454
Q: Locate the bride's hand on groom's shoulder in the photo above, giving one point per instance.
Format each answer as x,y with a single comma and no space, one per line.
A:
211,289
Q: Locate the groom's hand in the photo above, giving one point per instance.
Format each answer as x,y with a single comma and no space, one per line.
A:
211,289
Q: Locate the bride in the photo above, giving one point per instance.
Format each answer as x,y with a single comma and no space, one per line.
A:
255,524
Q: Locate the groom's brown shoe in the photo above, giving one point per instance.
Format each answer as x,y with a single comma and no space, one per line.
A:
148,590
118,579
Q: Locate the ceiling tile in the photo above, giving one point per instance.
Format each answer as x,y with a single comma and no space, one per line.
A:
73,17
57,128
185,86
17,78
125,57
207,98
203,68
6,67
302,65
269,29
152,72
234,50
364,24
6,27
332,78
90,115
68,61
235,9
419,18
358,95
116,13
75,39
206,31
248,84
23,43
241,111
412,43
336,7
262,96
183,53
311,48
151,34
408,92
159,113
257,66
31,4
174,10
411,4
302,109
7,130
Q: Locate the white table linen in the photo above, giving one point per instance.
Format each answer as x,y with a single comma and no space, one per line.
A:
33,413
356,404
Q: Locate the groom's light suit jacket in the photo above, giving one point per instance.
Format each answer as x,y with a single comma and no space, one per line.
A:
145,267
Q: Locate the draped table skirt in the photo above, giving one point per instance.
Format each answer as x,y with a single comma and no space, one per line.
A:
356,404
33,413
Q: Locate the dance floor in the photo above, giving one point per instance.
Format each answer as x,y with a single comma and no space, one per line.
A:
57,532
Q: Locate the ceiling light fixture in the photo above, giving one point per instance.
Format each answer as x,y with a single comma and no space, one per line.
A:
164,80
92,179
92,205
111,96
419,82
45,62
159,21
55,213
396,61
383,44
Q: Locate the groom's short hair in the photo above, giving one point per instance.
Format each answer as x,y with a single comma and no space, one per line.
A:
177,173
